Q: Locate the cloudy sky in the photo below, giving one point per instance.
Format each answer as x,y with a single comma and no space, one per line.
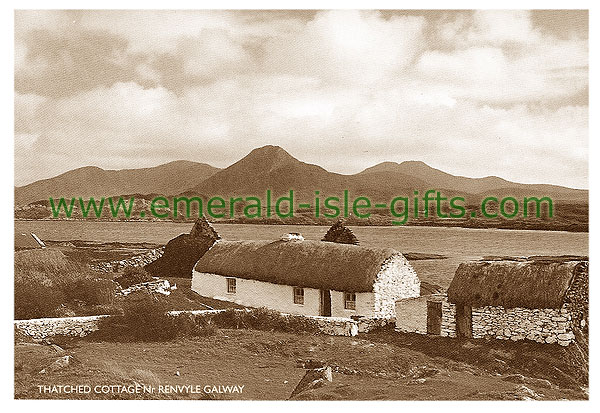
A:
472,93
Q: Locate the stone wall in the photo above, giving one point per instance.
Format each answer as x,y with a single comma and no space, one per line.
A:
41,328
546,325
158,286
448,319
335,326
135,261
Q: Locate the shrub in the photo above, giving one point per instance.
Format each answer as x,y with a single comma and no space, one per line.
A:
93,291
35,300
145,318
132,276
46,280
264,319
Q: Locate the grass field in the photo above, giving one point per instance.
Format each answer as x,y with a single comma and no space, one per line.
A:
380,366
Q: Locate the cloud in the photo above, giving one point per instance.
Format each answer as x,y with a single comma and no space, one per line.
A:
347,46
344,89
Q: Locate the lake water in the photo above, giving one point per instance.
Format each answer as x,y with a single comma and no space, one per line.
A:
458,244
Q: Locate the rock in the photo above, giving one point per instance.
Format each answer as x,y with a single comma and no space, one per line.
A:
313,379
57,348
310,364
177,373
550,339
59,364
525,393
566,337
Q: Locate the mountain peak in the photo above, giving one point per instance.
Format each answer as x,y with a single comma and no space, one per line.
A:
268,155
270,150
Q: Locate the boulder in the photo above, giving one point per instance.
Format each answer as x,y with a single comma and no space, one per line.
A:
58,364
313,379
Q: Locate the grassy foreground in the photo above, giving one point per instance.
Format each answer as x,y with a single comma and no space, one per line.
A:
383,365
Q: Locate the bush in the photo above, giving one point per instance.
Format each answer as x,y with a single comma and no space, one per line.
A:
35,300
145,318
93,291
46,280
264,319
132,276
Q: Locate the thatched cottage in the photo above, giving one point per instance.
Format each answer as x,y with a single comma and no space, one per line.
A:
306,277
544,299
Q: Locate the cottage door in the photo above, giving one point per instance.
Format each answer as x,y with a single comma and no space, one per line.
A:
434,317
325,304
463,321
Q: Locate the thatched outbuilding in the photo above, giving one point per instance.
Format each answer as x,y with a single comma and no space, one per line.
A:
539,298
306,277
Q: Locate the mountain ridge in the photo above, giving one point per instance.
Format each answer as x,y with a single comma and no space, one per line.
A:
272,167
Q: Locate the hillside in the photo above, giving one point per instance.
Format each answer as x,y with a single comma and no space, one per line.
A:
271,167
489,185
168,179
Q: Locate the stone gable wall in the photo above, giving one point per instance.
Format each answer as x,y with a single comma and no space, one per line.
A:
396,280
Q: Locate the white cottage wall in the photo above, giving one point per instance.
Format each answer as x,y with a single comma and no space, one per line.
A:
252,293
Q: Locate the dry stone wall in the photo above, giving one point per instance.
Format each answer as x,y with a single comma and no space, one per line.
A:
547,325
41,328
448,319
136,261
158,286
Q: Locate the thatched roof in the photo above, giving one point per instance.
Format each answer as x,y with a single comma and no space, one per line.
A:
537,282
313,264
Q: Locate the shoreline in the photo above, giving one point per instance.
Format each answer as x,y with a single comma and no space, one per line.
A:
573,228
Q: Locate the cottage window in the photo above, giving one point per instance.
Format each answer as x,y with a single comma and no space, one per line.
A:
231,285
298,295
350,301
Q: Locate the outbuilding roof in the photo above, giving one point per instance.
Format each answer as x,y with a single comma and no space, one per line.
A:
313,264
535,282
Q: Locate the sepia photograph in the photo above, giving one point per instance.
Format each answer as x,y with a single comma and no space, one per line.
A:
293,205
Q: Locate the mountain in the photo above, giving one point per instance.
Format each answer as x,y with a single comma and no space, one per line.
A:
168,179
482,187
271,167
